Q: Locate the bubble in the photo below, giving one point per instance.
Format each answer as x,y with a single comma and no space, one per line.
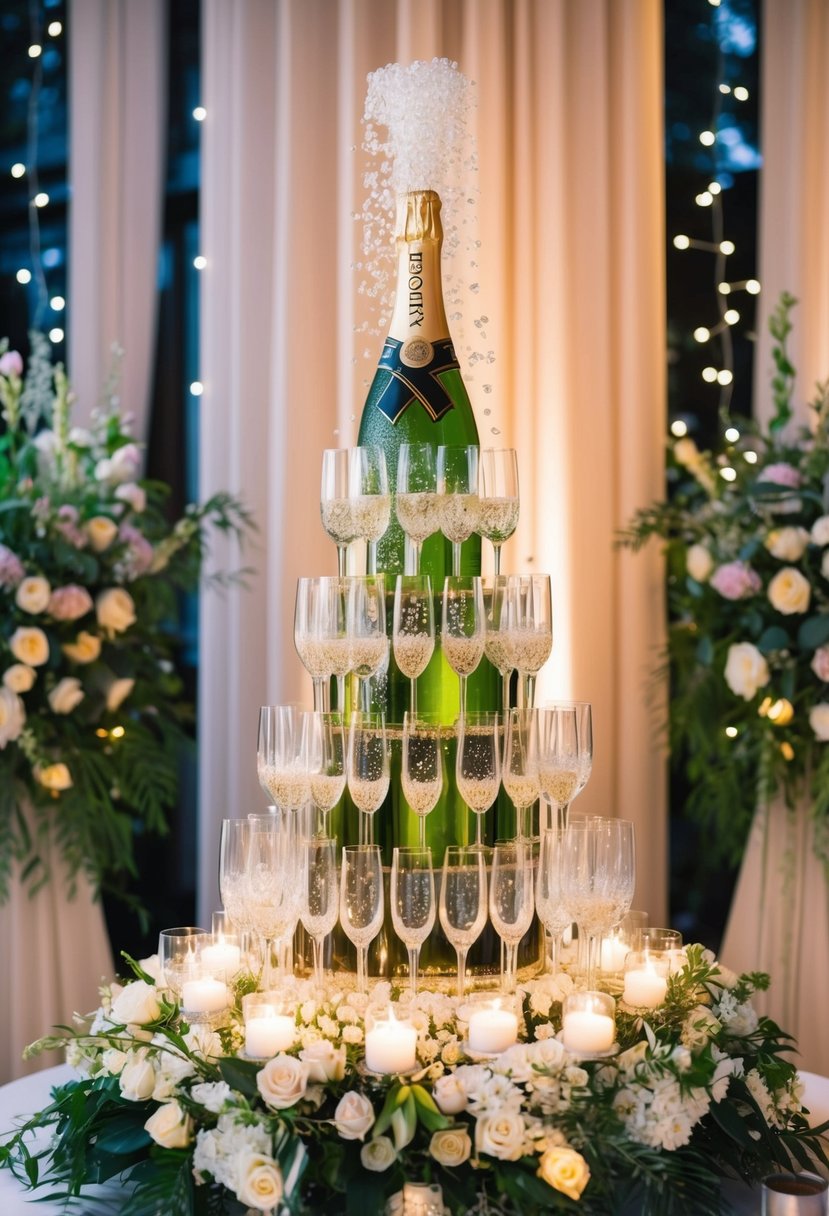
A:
487,388
336,431
487,412
494,430
474,287
352,418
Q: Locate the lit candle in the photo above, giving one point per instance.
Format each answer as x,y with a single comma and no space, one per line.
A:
492,1029
586,1030
614,953
205,995
645,987
266,1033
221,958
391,1046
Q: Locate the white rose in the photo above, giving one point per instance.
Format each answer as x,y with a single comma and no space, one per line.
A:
354,1116
500,1135
54,776
564,1170
325,1062
137,1079
12,716
85,648
451,1146
19,677
260,1184
282,1082
699,563
170,1126
30,645
819,721
789,592
137,1003
212,1095
118,692
33,594
114,1060
450,1095
115,610
378,1154
66,695
101,532
133,494
820,530
746,670
788,544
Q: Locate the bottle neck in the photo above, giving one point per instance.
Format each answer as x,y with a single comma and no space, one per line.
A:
418,306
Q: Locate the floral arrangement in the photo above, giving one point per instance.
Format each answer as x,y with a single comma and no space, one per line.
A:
90,714
746,532
699,1091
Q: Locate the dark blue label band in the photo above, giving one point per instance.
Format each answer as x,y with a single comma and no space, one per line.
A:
407,384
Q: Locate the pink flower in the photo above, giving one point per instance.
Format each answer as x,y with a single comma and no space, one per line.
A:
69,603
67,526
11,568
11,363
820,663
735,580
781,474
139,555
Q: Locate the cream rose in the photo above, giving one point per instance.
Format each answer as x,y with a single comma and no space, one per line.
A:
12,716
137,1079
686,452
118,692
450,1095
66,695
819,720
54,777
170,1126
564,1170
820,530
451,1146
260,1183
101,532
85,648
354,1116
324,1061
137,1003
115,610
788,544
30,645
378,1154
500,1135
282,1082
789,592
699,563
33,594
746,670
19,677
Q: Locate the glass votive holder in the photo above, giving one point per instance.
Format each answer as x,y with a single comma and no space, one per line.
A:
268,1028
795,1195
661,940
221,956
178,956
222,925
646,979
391,1044
588,1023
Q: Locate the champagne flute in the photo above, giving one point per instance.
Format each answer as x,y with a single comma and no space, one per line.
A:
326,763
370,498
498,634
367,631
511,902
368,768
457,483
270,883
413,635
463,905
422,767
531,627
361,901
565,730
417,503
282,755
233,860
478,765
549,901
412,902
320,896
321,635
463,628
520,770
499,498
336,504
598,878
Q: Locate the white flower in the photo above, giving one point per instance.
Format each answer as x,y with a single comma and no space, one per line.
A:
727,1067
564,1170
133,494
29,645
352,1034
66,695
12,716
789,591
354,1116
820,530
819,720
451,1146
101,532
115,610
515,1062
746,669
19,677
212,1095
324,1061
378,1154
450,1095
85,648
80,437
699,563
787,544
33,594
699,1027
117,693
170,1126
137,1003
203,1041
260,1184
54,776
114,1060
282,1082
500,1135
137,1078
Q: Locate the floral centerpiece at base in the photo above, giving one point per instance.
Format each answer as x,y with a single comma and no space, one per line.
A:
699,1089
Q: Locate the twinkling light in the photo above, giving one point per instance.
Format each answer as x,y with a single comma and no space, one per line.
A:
750,456
732,434
701,334
679,428
724,376
741,93
200,113
41,199
727,473
732,732
200,262
704,199
56,334
707,138
35,50
715,187
724,288
23,275
57,303
725,88
197,388
731,316
753,287
681,241
54,28
18,169
709,374
727,247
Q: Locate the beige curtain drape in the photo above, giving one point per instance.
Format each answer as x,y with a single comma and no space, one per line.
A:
569,125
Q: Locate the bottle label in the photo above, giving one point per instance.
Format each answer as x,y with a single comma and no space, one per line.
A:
414,368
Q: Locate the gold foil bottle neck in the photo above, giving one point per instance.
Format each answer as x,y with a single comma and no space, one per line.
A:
418,216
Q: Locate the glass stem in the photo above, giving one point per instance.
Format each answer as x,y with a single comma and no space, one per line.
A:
563,813
421,831
341,694
496,553
462,694
505,678
456,558
411,556
371,557
319,685
508,977
529,690
342,550
478,838
414,956
461,953
362,959
553,941
365,694
413,695
267,963
318,942
592,958
370,829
